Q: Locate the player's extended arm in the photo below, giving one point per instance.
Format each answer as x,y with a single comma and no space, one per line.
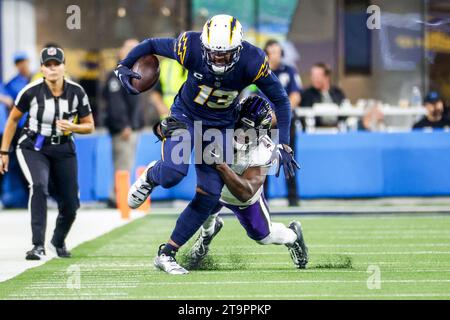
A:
272,89
160,46
242,187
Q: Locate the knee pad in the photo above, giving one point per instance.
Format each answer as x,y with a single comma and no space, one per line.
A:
170,177
205,203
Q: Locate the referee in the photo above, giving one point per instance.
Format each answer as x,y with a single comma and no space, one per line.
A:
57,107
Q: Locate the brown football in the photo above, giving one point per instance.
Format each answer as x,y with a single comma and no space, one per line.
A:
148,67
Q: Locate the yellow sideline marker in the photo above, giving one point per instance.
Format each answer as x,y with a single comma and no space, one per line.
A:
145,207
122,186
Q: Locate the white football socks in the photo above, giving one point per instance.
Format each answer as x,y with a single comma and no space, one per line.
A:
280,234
208,225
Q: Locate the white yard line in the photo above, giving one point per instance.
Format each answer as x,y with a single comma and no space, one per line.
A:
135,284
279,282
15,235
124,295
285,296
343,252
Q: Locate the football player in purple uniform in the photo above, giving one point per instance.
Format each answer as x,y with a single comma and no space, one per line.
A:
243,190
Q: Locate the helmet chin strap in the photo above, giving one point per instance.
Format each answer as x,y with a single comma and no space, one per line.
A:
218,70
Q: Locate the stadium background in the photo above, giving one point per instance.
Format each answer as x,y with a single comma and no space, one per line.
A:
360,247
368,64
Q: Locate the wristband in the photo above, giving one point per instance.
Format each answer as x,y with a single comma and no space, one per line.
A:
4,153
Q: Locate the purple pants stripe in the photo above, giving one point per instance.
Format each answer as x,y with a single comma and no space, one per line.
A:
255,218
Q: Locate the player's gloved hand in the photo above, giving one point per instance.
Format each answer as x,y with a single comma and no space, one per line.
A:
286,159
167,127
125,75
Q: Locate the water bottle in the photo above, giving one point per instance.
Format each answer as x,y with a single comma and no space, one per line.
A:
416,97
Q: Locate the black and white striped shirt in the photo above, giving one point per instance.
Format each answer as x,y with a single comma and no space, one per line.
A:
44,109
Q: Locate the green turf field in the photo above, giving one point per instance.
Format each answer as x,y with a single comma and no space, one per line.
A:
412,253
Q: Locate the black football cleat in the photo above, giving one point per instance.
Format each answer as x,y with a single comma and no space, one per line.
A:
201,246
61,252
298,250
37,253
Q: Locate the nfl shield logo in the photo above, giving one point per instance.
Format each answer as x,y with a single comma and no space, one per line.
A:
51,51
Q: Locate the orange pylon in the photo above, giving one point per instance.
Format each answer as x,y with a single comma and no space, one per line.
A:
122,180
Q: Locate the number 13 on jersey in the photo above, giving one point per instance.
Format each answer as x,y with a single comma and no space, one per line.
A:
223,99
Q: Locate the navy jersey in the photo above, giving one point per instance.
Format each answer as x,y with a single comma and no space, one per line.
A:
211,98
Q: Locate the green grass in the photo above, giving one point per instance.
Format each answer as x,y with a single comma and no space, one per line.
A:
411,251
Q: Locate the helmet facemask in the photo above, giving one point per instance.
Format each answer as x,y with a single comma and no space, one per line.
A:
245,138
220,62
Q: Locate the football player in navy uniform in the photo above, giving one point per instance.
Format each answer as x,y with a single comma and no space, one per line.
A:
243,190
220,65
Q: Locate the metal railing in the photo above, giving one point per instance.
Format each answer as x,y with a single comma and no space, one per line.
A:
394,118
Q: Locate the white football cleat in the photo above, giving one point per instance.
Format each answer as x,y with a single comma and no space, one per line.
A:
169,264
141,189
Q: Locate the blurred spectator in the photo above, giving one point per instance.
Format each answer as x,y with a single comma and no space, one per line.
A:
290,80
373,120
6,103
89,79
172,77
18,82
322,91
15,179
435,117
5,99
124,117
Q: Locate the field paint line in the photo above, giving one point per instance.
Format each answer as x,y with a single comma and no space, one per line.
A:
274,296
16,235
314,271
96,286
371,237
355,265
369,232
277,282
180,283
344,252
254,246
234,296
75,294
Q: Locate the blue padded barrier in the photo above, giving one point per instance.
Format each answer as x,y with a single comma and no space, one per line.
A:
417,164
357,164
104,174
86,153
362,164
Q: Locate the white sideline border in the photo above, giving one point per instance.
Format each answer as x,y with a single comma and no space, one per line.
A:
15,235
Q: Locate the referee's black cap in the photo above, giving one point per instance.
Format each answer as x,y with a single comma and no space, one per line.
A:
52,53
